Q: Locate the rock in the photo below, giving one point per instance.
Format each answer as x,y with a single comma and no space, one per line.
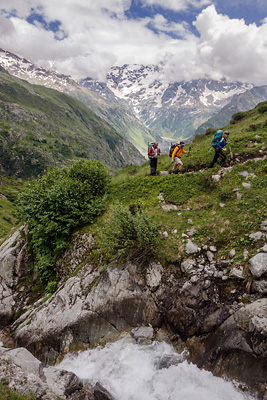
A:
256,236
216,178
240,340
168,207
259,287
13,265
165,234
238,196
246,185
221,205
243,174
143,332
163,173
237,273
245,254
258,265
210,255
232,253
264,248
93,307
191,248
100,393
213,249
25,374
154,275
264,225
188,266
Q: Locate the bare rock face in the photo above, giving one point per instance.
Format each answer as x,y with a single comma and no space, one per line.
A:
238,342
91,308
26,374
13,265
192,303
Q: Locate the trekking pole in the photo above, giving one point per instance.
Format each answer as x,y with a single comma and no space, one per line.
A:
231,153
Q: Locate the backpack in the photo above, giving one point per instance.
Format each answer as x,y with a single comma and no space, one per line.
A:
172,147
216,138
150,146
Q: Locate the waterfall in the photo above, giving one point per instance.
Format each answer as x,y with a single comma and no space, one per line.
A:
156,371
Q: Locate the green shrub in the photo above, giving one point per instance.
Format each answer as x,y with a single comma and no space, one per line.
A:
130,233
263,108
237,117
56,204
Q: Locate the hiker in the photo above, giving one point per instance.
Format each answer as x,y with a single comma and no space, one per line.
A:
222,140
153,154
176,156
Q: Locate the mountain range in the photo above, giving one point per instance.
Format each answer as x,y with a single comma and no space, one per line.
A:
141,105
40,127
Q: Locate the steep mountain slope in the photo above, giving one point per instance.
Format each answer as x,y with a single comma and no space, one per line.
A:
41,127
117,113
240,102
172,109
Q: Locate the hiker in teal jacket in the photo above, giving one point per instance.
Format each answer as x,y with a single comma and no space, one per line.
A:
219,149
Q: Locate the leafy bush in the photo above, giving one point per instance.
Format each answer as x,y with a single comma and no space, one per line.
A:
263,108
130,233
237,117
56,204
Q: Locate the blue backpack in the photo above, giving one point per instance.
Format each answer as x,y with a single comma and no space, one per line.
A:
216,138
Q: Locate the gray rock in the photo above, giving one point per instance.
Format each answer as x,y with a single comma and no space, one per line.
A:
237,273
259,287
238,196
264,248
264,225
243,174
256,236
246,185
210,255
232,253
258,265
245,254
191,248
163,173
188,266
154,275
216,178
145,332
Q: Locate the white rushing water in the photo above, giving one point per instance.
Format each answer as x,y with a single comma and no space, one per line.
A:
150,372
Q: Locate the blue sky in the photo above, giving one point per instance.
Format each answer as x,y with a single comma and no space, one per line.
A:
190,39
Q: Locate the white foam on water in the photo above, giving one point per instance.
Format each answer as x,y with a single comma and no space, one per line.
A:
153,372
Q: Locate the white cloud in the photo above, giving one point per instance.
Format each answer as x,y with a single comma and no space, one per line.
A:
176,5
97,35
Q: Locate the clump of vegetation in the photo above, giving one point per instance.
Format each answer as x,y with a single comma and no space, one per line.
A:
130,233
56,204
262,107
7,394
237,117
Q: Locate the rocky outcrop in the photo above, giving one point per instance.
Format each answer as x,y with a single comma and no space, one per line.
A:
193,302
27,375
13,266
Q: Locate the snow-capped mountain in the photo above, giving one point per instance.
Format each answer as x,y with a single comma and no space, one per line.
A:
168,109
24,69
171,109
115,113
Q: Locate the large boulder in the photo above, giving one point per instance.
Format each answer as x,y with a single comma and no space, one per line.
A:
91,308
239,342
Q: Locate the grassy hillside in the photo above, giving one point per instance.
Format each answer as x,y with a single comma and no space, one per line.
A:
240,102
208,212
41,127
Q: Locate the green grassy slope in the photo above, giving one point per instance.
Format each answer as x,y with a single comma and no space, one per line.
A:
41,127
210,210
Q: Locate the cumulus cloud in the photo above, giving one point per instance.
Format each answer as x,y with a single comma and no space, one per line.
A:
95,35
176,5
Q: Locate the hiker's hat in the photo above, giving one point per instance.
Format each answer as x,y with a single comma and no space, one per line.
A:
226,132
182,143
